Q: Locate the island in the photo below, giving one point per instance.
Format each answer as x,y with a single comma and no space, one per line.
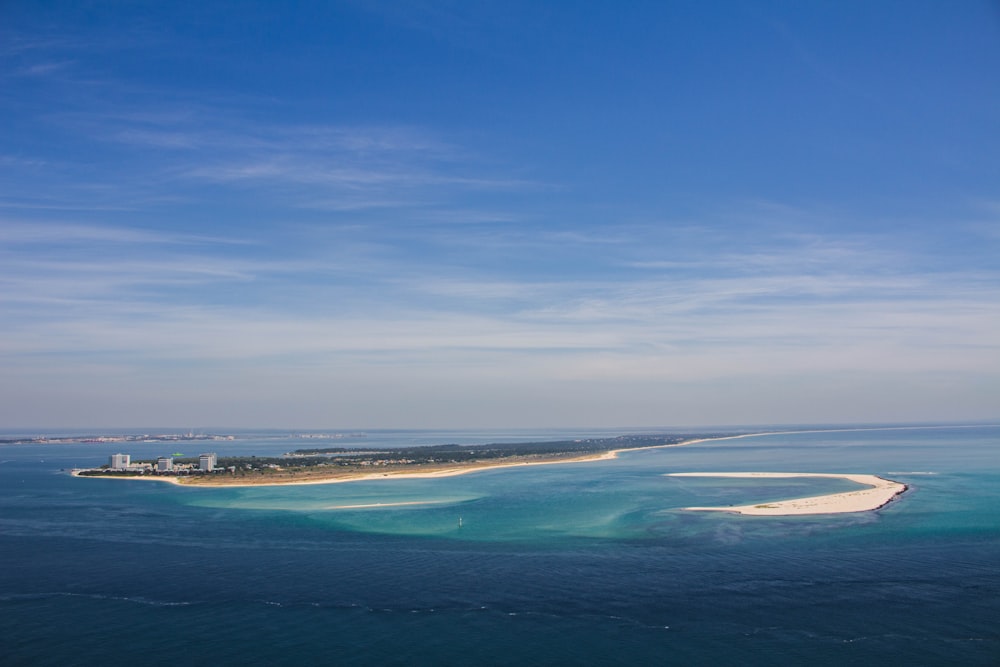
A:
879,492
327,465
341,464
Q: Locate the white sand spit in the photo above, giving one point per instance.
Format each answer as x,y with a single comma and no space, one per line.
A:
879,492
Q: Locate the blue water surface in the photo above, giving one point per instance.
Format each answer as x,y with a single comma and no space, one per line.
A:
584,563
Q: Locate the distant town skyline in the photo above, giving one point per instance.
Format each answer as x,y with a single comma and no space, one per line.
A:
499,214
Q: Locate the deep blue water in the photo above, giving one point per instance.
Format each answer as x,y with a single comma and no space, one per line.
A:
552,565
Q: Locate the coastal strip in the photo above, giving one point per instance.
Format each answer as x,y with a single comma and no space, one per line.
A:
443,469
425,472
879,493
421,472
330,465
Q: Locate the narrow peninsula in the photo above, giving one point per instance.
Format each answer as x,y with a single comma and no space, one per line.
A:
341,464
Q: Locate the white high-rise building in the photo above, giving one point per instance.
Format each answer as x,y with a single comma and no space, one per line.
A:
207,462
164,464
119,461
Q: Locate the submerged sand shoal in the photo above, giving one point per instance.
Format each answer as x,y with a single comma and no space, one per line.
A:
879,492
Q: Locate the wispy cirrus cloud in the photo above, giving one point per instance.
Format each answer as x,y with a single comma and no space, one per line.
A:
343,307
387,304
39,69
179,153
33,232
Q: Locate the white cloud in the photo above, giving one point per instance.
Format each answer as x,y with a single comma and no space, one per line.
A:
25,232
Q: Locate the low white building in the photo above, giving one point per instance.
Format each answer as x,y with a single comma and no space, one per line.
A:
164,464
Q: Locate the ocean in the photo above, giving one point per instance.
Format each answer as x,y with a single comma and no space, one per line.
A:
570,564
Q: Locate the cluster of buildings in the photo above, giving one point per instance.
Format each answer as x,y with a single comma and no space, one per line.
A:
123,463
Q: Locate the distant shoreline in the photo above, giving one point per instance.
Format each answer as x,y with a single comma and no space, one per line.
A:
92,439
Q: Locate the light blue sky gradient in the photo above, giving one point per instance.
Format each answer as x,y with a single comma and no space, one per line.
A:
452,214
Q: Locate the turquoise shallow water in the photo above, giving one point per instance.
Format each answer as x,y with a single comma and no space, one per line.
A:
564,564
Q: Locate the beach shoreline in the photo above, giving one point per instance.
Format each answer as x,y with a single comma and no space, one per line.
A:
879,493
448,471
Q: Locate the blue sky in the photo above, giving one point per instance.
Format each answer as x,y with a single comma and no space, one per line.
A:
490,214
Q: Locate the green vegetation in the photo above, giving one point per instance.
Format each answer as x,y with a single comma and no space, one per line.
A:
474,453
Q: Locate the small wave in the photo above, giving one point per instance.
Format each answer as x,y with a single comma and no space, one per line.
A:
95,596
911,472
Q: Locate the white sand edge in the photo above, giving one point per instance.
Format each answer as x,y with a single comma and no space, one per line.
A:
880,492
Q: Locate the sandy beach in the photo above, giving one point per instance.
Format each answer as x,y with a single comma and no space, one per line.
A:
147,478
879,492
